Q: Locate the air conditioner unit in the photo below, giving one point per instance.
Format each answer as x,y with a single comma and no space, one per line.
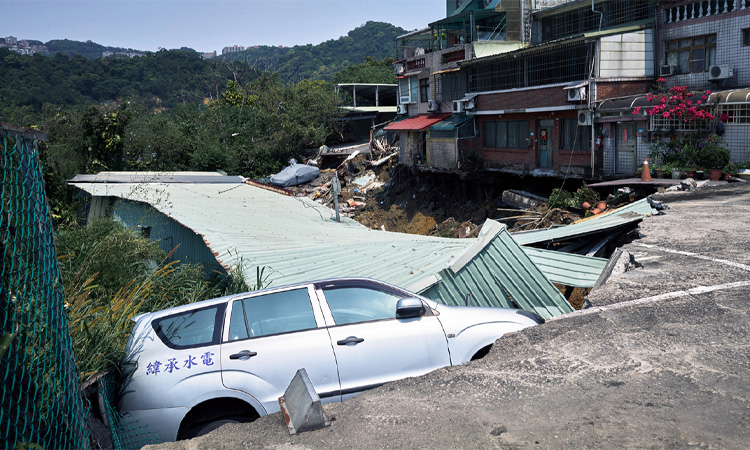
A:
668,70
458,106
399,69
402,109
720,73
469,104
584,118
577,94
433,106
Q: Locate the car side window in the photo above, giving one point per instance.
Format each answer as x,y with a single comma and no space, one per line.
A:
190,328
360,304
274,313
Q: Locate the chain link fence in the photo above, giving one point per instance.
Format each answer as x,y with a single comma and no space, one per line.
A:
40,401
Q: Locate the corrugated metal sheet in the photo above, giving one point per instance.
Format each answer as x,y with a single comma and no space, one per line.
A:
500,272
609,220
296,240
567,268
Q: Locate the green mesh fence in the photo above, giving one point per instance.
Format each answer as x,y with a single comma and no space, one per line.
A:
41,402
126,433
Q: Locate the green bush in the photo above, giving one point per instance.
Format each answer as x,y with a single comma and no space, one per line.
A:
585,194
560,198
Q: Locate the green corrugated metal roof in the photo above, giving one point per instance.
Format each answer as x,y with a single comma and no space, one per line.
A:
451,122
499,270
609,220
296,240
567,268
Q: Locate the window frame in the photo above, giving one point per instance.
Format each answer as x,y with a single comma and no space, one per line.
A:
746,37
424,90
216,336
523,135
566,126
245,310
708,49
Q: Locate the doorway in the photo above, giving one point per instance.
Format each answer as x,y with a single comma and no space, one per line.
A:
625,148
546,145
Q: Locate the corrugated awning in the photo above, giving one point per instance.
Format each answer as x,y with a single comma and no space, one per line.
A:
446,70
413,73
567,268
451,123
417,123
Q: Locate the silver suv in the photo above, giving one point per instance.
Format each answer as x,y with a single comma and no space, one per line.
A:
190,368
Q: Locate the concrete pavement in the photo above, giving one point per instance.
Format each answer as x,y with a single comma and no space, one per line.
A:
660,360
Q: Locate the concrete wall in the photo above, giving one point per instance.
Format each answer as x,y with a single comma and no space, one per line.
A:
441,153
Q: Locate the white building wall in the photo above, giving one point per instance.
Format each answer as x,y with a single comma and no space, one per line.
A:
627,55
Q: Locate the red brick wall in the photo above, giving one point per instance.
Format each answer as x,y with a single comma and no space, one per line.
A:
605,90
528,158
531,98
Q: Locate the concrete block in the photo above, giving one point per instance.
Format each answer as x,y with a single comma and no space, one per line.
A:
301,406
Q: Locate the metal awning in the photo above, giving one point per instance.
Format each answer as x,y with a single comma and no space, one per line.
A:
451,123
417,123
567,268
577,85
446,70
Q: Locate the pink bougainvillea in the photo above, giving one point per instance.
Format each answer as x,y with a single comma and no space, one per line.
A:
677,103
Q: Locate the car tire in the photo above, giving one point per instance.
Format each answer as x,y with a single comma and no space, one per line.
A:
205,428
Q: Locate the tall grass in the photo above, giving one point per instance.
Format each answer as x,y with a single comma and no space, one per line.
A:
110,275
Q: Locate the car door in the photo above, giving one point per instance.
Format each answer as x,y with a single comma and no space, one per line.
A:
272,335
371,344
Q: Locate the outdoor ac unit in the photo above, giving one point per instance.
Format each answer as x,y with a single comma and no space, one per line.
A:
458,106
399,69
668,70
402,109
577,94
584,118
469,104
433,105
719,73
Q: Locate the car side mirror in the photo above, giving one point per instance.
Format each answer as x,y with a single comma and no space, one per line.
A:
409,307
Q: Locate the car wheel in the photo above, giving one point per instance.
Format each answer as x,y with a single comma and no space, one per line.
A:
481,353
205,428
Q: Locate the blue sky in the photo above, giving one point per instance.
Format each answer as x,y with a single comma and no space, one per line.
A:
206,25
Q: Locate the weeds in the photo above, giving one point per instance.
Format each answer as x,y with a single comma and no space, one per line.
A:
110,275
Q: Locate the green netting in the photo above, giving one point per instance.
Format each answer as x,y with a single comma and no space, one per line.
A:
126,433
40,403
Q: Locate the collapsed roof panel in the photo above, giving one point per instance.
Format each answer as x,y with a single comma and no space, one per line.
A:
295,239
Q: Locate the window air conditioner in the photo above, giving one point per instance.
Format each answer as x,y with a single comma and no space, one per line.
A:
469,104
458,106
402,109
667,70
584,118
720,73
577,94
433,106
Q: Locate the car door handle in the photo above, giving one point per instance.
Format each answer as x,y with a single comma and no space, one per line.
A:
350,340
247,354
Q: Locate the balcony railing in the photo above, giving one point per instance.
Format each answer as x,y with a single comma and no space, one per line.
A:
415,64
453,56
703,9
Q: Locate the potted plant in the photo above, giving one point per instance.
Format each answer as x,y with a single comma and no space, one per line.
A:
713,155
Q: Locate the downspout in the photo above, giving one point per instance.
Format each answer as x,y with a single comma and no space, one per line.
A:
601,15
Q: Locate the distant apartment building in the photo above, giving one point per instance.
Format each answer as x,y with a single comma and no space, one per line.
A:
232,49
10,40
208,55
126,54
23,46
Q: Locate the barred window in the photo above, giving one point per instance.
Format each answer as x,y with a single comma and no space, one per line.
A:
738,113
506,133
692,55
424,90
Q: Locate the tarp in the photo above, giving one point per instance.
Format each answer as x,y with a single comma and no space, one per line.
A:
294,174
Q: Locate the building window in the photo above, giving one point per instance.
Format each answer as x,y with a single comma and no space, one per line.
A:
506,133
424,90
574,137
692,55
407,90
746,37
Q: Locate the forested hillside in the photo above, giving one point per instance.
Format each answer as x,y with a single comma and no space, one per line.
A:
376,40
88,49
